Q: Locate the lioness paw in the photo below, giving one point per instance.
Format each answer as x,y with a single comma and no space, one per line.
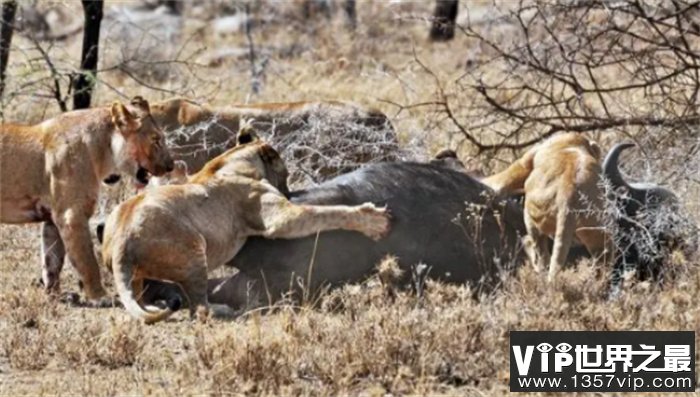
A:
375,221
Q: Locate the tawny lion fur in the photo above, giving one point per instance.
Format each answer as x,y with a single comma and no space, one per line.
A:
179,232
51,172
563,198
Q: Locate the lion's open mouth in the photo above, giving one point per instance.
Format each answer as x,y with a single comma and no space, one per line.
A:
142,176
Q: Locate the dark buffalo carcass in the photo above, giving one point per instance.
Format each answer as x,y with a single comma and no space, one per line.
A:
441,218
648,222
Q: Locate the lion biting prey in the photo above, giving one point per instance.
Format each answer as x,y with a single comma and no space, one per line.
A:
51,173
178,232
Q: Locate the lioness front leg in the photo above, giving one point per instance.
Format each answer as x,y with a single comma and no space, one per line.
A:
73,227
283,219
53,253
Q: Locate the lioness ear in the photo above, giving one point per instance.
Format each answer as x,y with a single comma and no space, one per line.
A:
595,150
141,103
121,117
246,132
180,169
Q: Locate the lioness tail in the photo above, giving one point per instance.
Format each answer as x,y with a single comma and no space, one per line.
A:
122,269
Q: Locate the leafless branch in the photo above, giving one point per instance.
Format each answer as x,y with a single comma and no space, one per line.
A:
581,66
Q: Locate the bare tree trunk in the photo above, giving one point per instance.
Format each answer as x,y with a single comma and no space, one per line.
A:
9,9
311,8
255,71
173,5
444,19
84,84
350,13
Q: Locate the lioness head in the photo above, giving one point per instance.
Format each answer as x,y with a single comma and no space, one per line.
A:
251,158
272,166
274,169
145,150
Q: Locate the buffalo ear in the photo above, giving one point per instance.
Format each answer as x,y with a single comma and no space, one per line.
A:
122,118
181,167
179,174
246,132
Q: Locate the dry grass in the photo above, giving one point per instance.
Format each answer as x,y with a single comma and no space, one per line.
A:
363,339
368,339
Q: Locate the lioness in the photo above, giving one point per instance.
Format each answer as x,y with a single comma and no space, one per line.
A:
51,173
563,198
178,232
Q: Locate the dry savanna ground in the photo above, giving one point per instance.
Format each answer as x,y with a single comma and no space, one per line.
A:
363,339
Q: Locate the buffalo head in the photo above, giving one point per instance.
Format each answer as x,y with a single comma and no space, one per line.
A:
648,222
646,195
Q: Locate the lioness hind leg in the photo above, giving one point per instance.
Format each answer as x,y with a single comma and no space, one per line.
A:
194,286
53,253
566,228
536,246
239,292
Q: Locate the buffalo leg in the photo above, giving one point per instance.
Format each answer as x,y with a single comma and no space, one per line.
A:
239,292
